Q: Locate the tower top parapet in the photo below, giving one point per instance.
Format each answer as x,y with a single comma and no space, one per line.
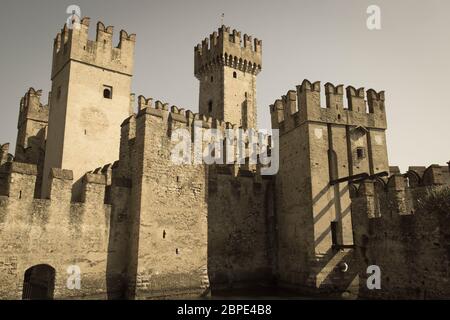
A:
304,104
74,44
32,108
228,48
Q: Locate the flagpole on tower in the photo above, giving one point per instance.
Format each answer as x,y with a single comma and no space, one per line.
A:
222,18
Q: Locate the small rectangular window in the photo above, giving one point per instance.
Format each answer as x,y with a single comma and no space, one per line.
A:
58,93
210,106
107,92
361,153
334,233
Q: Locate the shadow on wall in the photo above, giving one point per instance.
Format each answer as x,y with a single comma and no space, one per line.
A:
337,270
118,245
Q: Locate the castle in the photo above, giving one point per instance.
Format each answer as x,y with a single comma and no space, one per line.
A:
91,193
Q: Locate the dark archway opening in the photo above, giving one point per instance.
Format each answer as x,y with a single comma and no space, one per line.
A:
39,283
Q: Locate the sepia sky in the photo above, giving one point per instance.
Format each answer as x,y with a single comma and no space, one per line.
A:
324,40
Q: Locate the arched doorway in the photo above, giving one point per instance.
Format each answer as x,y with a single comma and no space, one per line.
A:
39,283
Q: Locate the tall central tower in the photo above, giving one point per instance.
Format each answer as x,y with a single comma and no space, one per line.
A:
226,66
91,86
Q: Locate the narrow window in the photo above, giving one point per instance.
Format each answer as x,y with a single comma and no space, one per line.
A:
58,93
176,251
360,153
235,74
164,234
107,92
212,79
333,164
210,106
334,233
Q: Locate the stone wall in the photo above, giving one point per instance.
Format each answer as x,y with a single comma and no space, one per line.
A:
402,230
145,227
240,206
318,146
189,220
168,244
54,232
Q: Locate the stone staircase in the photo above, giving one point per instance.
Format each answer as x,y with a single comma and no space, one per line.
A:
204,281
334,273
204,278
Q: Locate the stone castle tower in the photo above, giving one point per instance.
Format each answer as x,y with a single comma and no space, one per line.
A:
137,225
226,66
320,150
91,86
32,133
31,127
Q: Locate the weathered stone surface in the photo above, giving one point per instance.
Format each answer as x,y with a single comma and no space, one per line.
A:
109,201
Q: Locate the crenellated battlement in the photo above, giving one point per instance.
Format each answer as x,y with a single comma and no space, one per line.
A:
237,176
433,175
166,119
401,225
31,107
20,184
228,48
304,104
179,209
5,156
174,113
143,102
399,194
74,44
32,127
